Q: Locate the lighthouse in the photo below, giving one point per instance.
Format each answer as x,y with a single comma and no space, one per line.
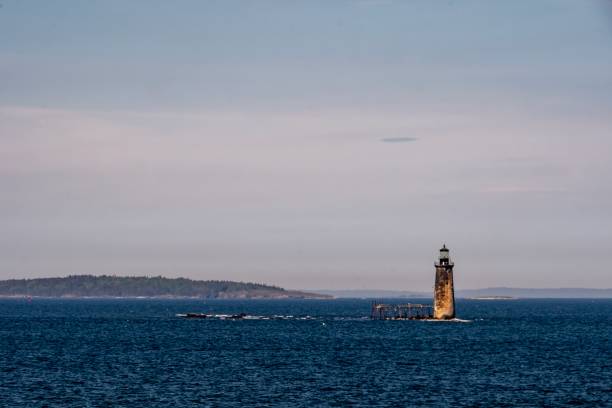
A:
444,292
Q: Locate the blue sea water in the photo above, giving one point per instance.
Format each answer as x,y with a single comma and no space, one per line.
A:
137,353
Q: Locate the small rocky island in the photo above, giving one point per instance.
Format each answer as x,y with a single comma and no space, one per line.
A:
89,286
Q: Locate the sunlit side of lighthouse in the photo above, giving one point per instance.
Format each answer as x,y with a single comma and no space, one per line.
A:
444,292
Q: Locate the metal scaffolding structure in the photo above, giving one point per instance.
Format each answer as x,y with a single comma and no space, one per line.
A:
406,311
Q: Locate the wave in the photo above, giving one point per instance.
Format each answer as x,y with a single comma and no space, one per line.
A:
292,317
455,320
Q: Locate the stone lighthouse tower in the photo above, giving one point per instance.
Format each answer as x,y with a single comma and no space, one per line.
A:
444,292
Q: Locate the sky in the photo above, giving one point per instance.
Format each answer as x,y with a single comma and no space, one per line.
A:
308,144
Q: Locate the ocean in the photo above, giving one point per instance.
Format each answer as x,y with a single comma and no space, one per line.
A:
137,353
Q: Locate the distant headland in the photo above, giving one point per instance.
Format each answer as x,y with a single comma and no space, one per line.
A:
89,286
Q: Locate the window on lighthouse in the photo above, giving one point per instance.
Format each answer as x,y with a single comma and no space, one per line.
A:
444,258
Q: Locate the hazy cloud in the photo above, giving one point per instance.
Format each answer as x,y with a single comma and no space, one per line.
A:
398,139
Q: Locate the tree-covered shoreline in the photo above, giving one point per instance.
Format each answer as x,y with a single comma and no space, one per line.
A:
76,286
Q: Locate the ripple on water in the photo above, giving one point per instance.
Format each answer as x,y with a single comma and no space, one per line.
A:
137,353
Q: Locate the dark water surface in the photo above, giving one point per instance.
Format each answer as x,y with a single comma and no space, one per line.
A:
95,353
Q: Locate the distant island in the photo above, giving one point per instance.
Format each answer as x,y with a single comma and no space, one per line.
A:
540,293
488,293
491,298
88,286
